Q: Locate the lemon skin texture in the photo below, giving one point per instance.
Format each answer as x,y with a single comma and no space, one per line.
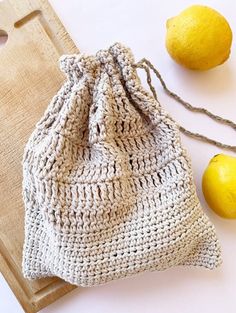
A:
219,185
199,38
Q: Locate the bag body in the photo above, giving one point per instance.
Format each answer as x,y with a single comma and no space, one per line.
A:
107,186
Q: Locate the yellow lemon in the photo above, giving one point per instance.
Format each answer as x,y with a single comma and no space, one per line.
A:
219,185
199,38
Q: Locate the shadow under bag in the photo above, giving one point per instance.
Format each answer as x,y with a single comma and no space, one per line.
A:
107,185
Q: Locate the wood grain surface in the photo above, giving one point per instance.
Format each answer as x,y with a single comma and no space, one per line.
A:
29,77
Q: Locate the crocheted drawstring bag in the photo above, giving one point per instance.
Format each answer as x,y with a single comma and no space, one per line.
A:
107,185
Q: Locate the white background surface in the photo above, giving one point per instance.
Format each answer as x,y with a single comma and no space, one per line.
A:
141,26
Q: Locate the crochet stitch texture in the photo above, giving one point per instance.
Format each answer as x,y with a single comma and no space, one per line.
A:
107,185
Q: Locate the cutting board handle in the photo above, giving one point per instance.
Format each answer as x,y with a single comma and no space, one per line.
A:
12,17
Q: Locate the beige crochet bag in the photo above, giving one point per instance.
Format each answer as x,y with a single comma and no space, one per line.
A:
108,187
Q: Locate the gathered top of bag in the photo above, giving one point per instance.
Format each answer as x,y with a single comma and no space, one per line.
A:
108,187
112,76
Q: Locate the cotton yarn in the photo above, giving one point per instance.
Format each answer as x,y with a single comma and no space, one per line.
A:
107,186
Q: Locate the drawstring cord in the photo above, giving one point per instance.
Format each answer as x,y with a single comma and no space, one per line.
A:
147,65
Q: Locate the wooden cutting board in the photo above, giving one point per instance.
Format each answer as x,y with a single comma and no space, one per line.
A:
29,77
